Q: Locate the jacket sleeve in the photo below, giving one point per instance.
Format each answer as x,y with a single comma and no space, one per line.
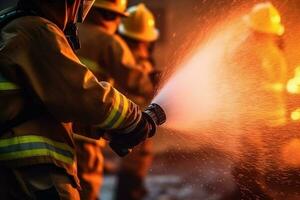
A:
127,74
67,88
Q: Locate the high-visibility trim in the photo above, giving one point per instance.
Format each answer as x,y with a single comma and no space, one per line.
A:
32,146
124,112
89,64
114,111
118,113
92,65
7,85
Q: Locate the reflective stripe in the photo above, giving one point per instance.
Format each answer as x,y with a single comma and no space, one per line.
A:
124,112
7,85
89,64
118,113
32,146
115,109
92,65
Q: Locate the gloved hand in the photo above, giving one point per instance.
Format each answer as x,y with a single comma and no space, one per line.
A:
123,143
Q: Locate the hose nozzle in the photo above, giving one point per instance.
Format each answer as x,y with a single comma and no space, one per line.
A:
157,114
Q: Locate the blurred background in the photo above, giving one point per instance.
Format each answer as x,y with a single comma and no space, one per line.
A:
180,22
201,173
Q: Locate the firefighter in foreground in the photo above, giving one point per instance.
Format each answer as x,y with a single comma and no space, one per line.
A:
44,88
259,79
139,32
110,59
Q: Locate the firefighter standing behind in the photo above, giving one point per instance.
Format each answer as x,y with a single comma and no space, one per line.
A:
109,58
258,80
140,33
43,89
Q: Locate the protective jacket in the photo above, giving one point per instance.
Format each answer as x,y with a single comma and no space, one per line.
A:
41,77
114,60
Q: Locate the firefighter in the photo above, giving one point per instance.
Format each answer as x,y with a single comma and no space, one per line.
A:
44,88
258,80
109,58
140,33
114,58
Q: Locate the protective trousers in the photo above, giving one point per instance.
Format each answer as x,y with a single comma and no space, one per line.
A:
90,169
133,170
40,182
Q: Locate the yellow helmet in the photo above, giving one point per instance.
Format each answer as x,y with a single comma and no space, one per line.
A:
265,18
116,6
140,25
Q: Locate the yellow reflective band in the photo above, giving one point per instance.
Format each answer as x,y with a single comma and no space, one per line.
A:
34,153
114,111
89,64
32,146
8,86
92,65
124,112
31,139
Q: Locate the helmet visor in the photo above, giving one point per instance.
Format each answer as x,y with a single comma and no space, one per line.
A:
84,9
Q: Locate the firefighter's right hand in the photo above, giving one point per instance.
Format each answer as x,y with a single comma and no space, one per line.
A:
123,143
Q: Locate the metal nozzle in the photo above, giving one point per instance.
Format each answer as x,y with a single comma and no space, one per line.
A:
156,113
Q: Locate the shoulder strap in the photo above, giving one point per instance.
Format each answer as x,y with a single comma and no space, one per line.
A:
10,14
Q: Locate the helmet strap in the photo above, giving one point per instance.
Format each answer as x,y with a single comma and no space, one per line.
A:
71,33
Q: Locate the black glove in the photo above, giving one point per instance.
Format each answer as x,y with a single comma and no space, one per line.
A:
123,143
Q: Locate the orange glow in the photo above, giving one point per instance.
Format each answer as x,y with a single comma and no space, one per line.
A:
293,85
230,114
295,115
212,88
276,87
291,153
